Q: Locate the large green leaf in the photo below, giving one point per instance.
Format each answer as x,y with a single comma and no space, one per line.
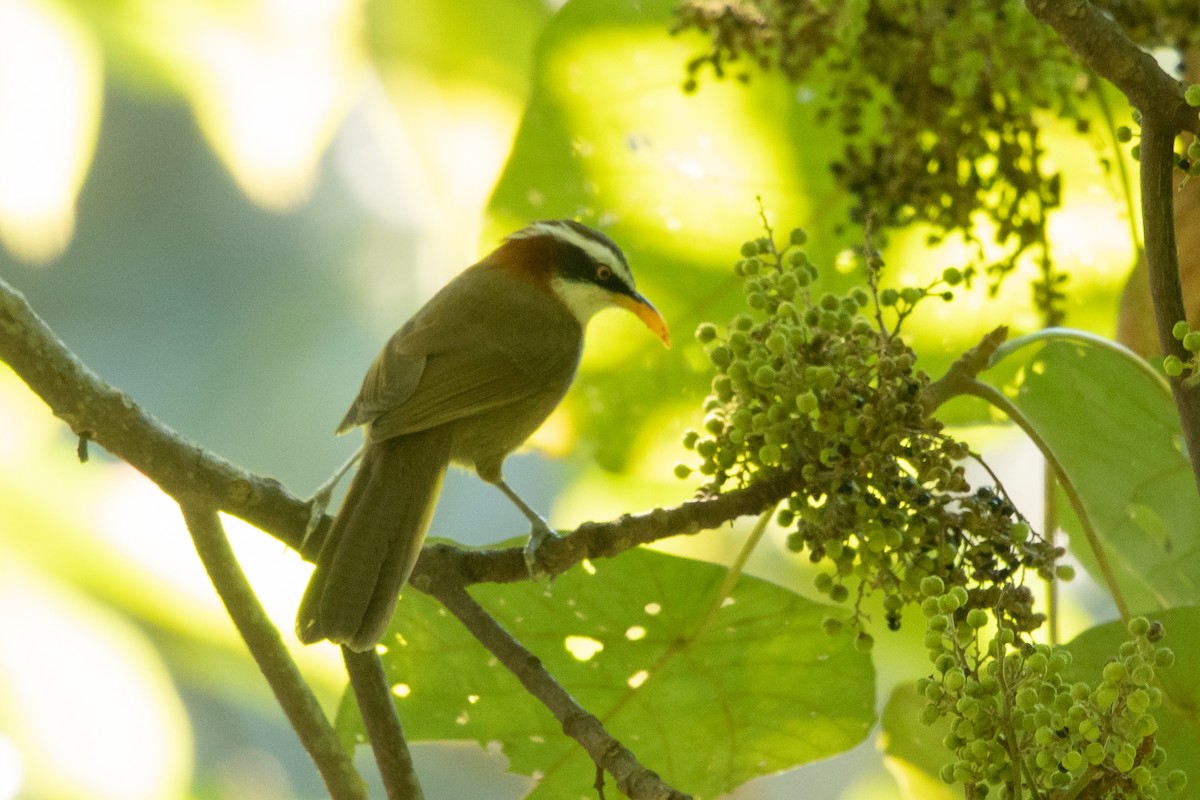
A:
756,689
1178,718
1112,425
610,137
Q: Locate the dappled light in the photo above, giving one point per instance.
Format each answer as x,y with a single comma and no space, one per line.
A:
270,87
50,88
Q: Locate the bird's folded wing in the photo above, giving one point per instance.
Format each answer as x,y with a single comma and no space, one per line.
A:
455,359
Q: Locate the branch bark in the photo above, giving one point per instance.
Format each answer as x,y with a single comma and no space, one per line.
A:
633,779
1162,264
266,646
112,419
1102,45
374,697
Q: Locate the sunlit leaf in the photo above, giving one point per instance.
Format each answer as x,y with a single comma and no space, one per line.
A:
759,688
1115,430
610,137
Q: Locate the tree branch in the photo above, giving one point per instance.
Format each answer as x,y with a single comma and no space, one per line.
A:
113,420
374,696
1102,45
266,646
97,411
1162,264
631,777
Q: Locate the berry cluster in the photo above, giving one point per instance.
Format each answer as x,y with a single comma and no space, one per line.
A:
1016,721
1176,366
940,105
816,385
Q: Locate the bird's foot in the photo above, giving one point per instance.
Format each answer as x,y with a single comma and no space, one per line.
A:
538,535
316,511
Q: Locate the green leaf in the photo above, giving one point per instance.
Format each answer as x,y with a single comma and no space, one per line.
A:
610,137
913,752
1178,721
1113,426
708,702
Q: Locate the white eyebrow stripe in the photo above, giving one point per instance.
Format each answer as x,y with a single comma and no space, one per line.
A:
599,252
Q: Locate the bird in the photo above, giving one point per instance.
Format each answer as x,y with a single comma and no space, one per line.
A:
466,380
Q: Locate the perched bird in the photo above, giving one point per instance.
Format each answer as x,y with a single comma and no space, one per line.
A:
465,381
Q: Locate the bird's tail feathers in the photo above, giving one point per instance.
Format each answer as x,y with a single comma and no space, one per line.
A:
374,540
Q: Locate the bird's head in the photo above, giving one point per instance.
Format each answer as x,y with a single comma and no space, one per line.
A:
582,267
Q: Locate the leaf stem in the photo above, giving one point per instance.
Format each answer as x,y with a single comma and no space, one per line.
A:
1000,401
734,573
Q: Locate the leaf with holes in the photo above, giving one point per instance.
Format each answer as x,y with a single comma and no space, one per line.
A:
708,697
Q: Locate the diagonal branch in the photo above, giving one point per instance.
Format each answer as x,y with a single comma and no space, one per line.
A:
97,411
266,645
633,779
1101,44
112,419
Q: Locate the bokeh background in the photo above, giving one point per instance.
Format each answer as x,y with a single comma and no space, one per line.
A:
224,207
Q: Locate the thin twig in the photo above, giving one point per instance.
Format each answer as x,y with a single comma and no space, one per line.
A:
633,779
374,697
266,646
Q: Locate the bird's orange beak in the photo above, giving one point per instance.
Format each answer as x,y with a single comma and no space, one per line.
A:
647,313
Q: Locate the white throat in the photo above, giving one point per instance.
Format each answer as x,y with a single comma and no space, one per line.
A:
583,299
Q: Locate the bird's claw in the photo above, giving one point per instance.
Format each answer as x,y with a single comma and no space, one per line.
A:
538,535
316,512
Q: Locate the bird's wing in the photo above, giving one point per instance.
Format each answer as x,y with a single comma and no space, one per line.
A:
485,340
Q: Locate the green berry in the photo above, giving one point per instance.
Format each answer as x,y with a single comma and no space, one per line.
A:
1180,329
1191,95
832,626
749,249
682,471
1138,626
798,237
889,297
1064,572
932,586
1176,780
864,642
1191,341
977,618
952,276
1173,366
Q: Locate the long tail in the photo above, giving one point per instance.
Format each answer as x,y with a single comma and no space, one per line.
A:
374,540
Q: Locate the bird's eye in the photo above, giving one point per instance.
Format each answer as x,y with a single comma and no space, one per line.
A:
603,273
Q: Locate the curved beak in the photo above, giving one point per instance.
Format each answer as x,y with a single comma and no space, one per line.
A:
647,313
